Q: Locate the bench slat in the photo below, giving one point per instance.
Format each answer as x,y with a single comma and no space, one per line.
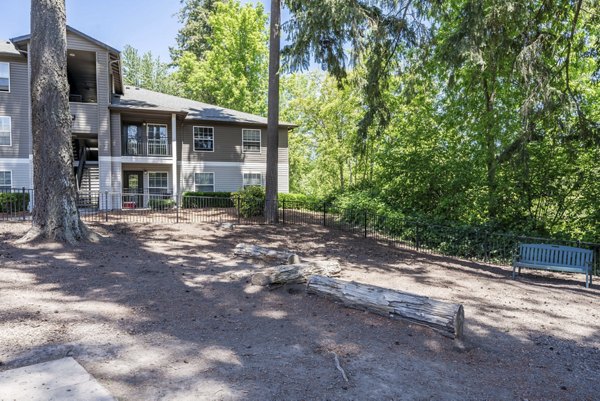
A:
555,257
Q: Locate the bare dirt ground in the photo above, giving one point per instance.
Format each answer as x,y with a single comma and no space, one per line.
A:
166,312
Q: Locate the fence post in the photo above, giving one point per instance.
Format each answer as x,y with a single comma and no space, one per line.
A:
177,207
105,205
283,212
366,223
417,239
23,203
324,214
239,210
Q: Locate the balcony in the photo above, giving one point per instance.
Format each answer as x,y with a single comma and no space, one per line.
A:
148,148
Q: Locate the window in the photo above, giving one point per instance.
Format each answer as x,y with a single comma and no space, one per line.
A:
5,180
157,140
133,140
252,179
204,139
204,182
251,140
5,129
158,182
4,77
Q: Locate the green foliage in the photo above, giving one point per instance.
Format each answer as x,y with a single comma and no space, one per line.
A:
251,201
492,126
161,204
192,37
147,72
14,202
232,71
197,200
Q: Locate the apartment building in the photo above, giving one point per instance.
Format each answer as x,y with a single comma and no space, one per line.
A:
128,139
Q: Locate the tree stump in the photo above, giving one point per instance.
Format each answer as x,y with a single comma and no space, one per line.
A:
445,318
259,252
295,273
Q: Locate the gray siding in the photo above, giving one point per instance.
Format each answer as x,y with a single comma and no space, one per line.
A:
15,104
115,138
86,118
229,176
77,42
228,144
21,172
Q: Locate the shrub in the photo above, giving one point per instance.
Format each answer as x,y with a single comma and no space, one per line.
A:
14,202
161,204
251,201
300,201
195,200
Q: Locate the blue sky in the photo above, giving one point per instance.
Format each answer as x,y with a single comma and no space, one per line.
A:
143,24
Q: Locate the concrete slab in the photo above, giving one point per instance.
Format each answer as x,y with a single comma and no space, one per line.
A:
62,379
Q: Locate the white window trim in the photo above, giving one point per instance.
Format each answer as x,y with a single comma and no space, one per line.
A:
9,77
161,172
206,172
194,140
9,130
11,176
148,140
259,140
262,183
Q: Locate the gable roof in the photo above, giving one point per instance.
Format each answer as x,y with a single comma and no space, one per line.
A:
146,100
7,48
25,38
114,54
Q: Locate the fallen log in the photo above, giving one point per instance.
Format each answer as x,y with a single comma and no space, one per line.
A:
446,318
296,273
259,252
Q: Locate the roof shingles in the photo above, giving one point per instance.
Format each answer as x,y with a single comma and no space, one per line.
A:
143,99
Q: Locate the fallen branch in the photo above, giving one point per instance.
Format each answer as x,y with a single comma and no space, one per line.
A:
296,273
446,318
259,252
339,367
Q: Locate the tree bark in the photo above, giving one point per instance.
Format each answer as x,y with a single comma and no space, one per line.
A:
55,214
445,318
271,215
267,254
296,273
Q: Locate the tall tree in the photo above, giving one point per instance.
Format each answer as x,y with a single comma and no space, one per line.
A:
55,215
146,71
193,36
232,73
271,213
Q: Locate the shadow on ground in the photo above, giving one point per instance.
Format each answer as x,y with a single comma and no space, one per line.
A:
167,312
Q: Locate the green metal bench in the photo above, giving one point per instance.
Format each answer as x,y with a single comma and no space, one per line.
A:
556,258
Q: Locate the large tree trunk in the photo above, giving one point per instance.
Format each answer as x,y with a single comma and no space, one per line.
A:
267,254
55,214
296,273
443,317
271,214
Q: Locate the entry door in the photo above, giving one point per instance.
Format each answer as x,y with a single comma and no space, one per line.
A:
133,189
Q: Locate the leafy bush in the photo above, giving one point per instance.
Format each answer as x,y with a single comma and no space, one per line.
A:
195,200
14,202
294,201
161,204
251,201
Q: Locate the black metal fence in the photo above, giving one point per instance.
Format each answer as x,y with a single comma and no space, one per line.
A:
463,242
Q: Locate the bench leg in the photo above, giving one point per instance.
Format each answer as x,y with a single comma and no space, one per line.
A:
514,267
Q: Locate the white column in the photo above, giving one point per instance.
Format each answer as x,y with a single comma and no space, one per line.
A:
174,150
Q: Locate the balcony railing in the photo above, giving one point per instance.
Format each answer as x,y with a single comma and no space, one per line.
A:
152,148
